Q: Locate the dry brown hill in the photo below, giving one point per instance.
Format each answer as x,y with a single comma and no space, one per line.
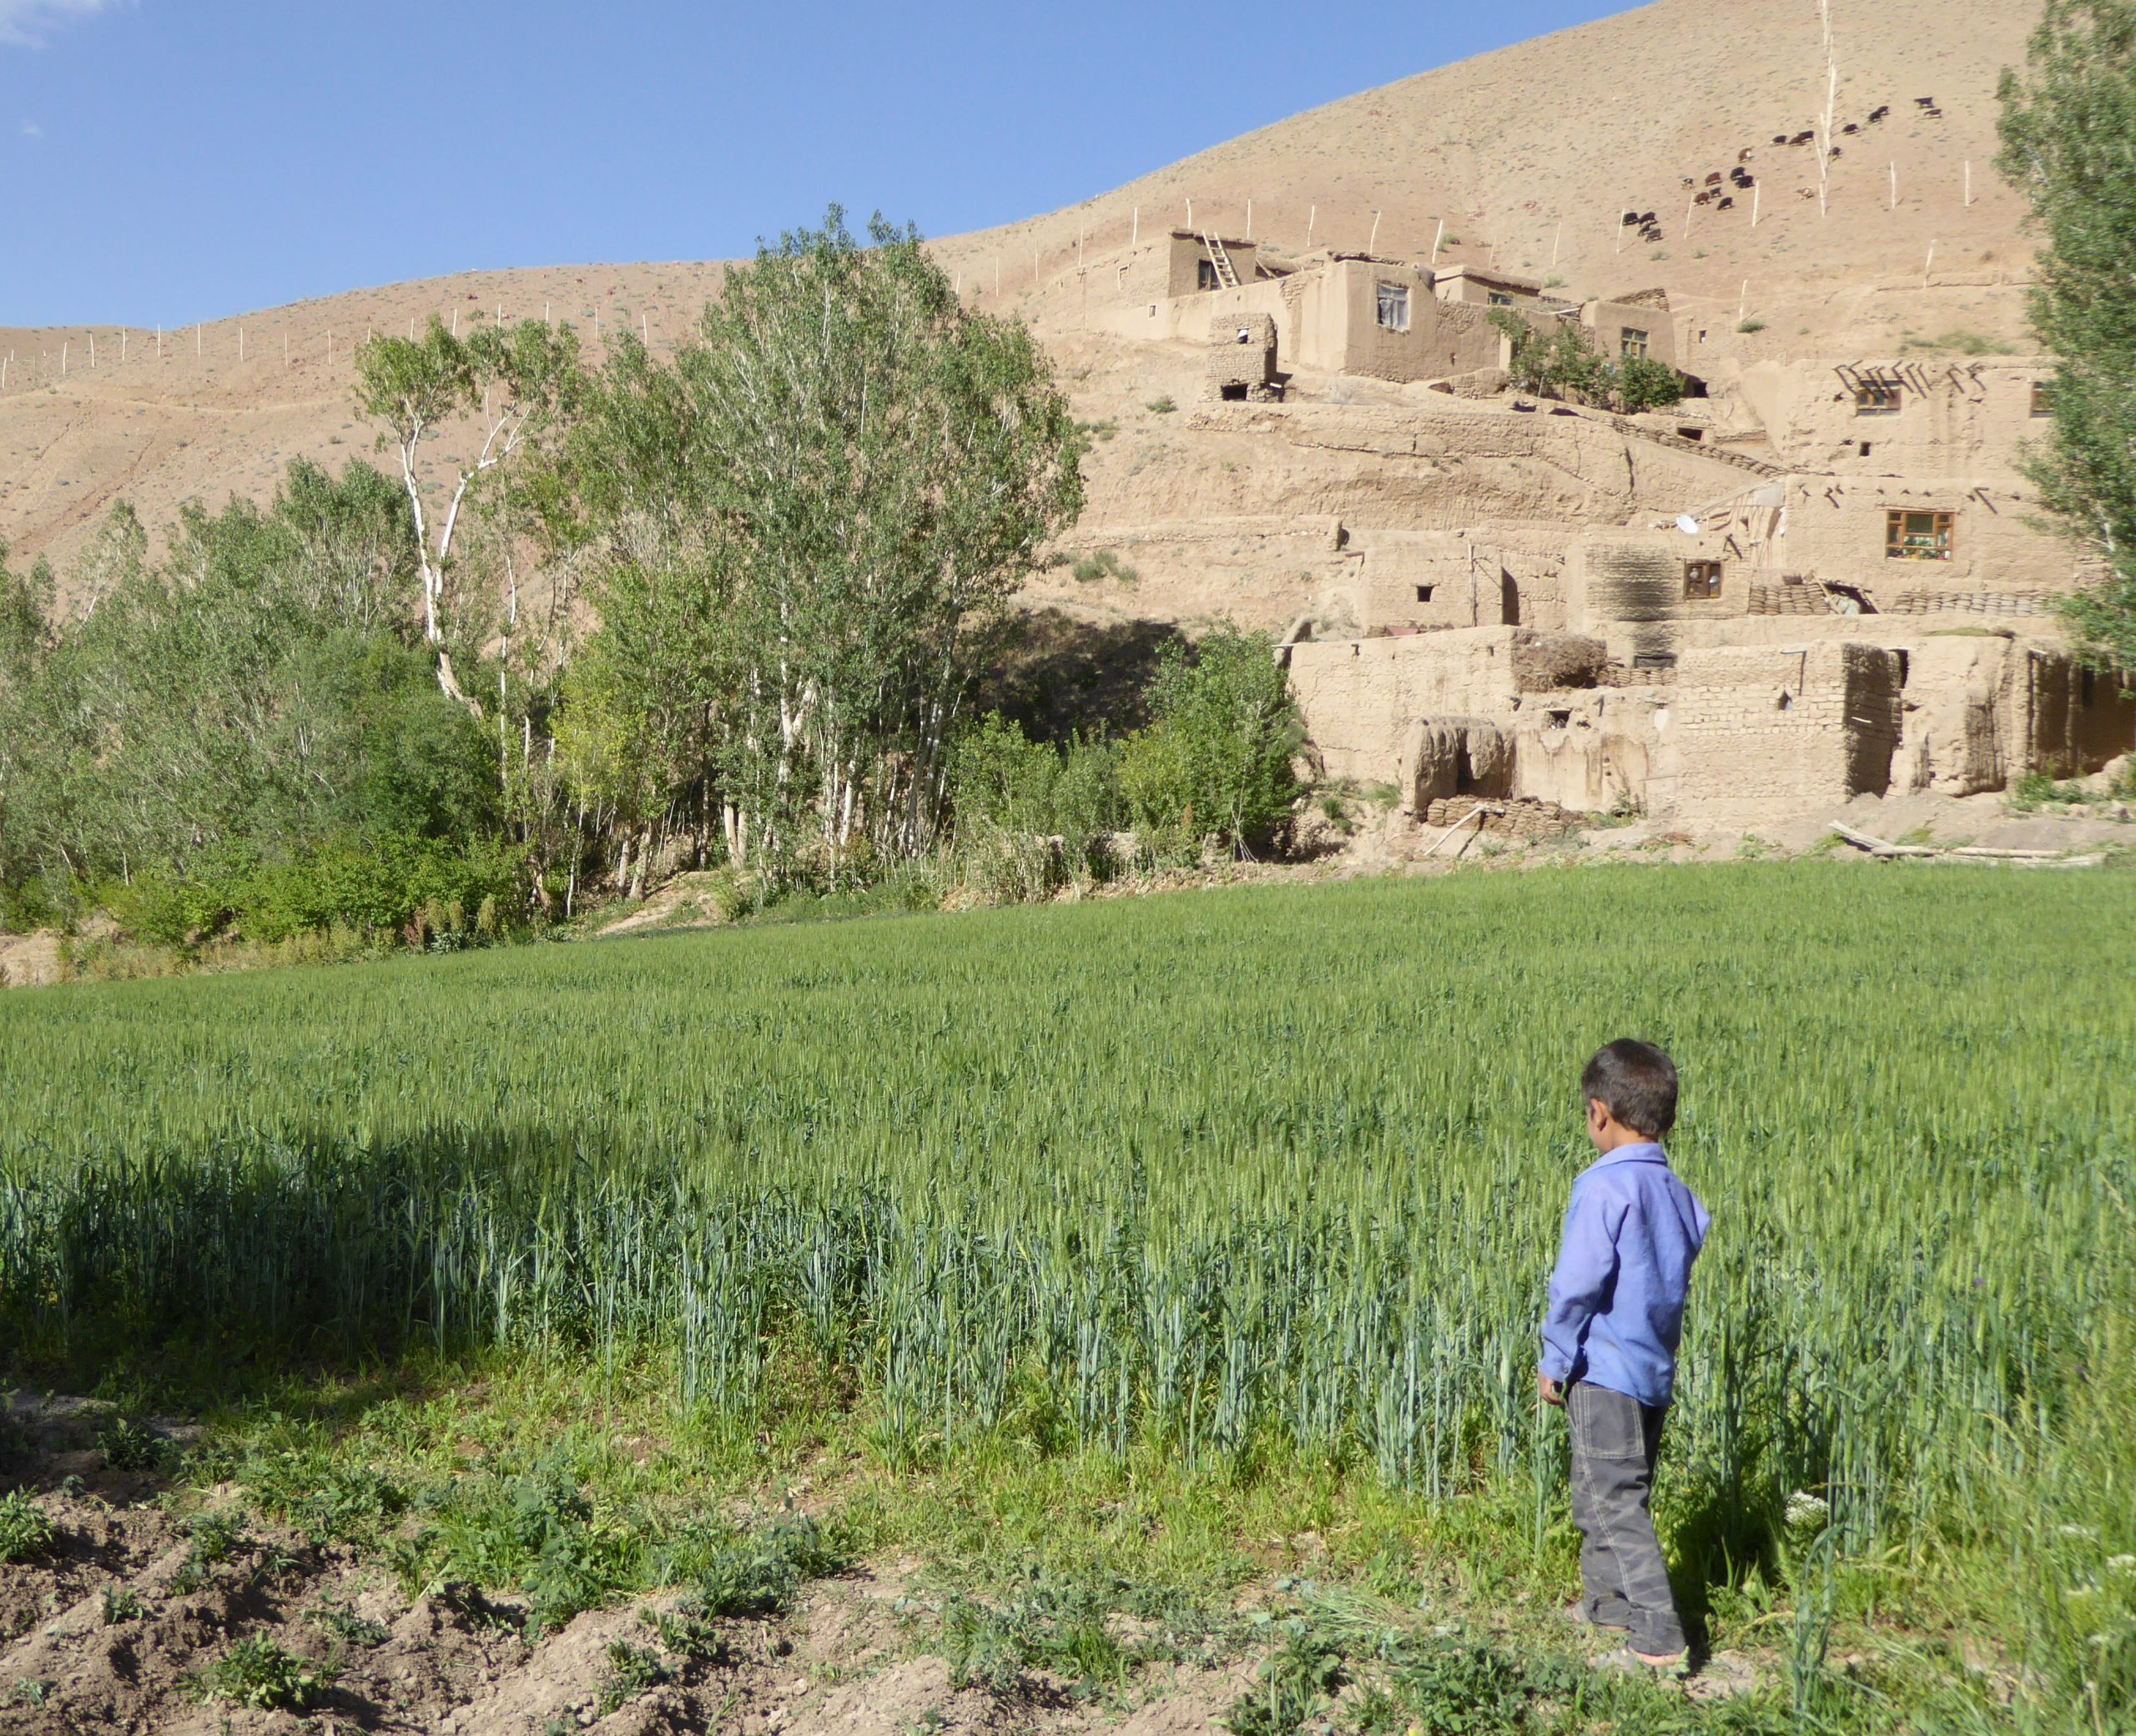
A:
1527,157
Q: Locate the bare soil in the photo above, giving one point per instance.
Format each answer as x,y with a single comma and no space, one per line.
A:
101,1635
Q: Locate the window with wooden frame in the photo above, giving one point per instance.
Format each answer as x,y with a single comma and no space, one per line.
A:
1701,580
1910,536
1631,341
1394,306
1498,298
1877,397
1204,274
2043,397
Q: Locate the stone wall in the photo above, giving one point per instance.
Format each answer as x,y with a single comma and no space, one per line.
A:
1241,360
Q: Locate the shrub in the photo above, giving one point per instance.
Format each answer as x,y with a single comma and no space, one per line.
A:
1216,761
131,1446
1027,815
1058,1626
1751,325
26,1530
1105,564
258,1673
632,1670
1295,1684
1646,384
1162,407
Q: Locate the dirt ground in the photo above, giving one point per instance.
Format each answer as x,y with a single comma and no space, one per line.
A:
103,1634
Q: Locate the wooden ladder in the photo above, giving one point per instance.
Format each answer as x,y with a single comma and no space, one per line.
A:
1226,275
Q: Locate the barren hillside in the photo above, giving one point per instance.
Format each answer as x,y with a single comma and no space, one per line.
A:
1526,159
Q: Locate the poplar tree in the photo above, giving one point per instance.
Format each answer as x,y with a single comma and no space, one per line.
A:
800,533
2068,129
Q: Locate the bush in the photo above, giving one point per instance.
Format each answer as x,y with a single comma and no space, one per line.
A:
1105,564
368,884
26,1531
1566,364
1644,384
258,1673
1215,761
1029,815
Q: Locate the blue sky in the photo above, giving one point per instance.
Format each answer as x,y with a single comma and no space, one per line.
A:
169,160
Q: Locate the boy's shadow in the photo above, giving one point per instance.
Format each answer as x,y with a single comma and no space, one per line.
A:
1721,1536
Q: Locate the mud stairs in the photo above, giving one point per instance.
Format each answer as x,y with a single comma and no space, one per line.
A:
1226,273
1697,449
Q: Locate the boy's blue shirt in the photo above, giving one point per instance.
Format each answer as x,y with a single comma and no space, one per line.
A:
1616,1315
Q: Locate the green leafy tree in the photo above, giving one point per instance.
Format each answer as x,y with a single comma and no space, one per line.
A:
257,701
1217,759
1565,364
800,536
502,389
1642,383
2068,129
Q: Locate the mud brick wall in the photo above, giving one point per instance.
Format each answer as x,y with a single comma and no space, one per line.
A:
1765,733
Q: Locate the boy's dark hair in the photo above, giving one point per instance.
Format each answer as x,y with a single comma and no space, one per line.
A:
1637,1083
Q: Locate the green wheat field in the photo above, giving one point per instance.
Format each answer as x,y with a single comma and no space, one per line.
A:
1219,1178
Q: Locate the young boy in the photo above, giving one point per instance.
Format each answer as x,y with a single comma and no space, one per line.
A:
1609,1342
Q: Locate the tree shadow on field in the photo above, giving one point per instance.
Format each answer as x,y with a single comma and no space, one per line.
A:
1057,675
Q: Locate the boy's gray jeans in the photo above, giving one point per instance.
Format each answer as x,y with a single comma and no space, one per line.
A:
1615,1439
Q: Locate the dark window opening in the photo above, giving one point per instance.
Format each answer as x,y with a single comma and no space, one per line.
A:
1499,298
1918,536
1394,306
1862,448
2043,397
1560,720
1205,273
1876,398
1233,392
1701,580
1786,700
1424,593
1654,660
1696,433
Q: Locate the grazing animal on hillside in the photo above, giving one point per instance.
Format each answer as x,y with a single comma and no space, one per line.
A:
1713,180
1743,155
1727,203
1804,136
1878,115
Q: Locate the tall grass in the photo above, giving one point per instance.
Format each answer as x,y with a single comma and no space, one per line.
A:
1209,1171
